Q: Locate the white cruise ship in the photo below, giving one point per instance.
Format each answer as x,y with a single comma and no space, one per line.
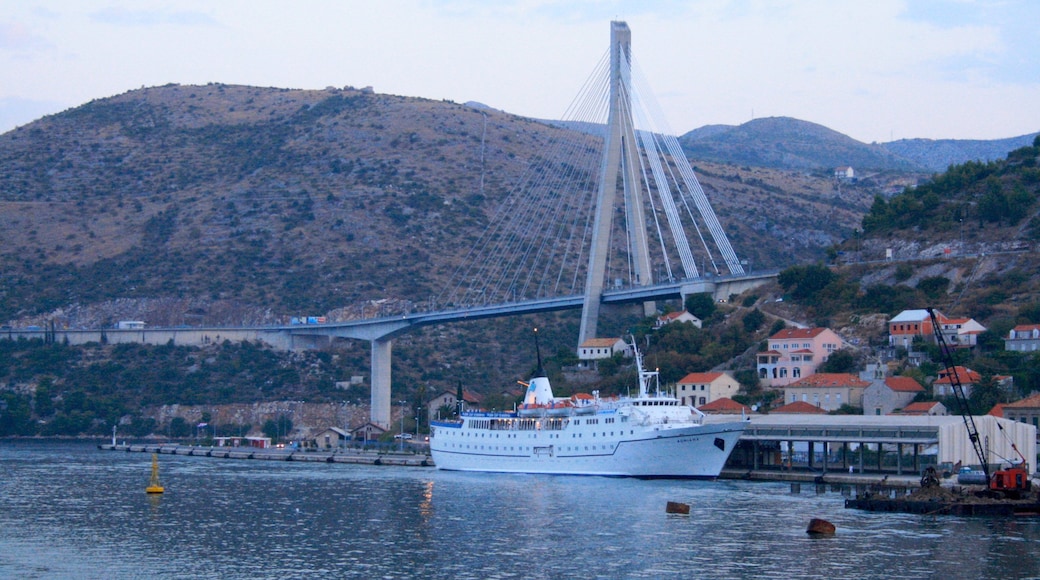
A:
650,435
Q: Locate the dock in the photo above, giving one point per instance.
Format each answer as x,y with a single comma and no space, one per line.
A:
351,456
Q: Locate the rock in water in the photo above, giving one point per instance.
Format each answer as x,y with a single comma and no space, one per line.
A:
818,527
675,507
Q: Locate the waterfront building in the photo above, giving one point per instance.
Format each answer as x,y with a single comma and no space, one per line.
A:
367,432
897,444
330,438
828,391
698,389
725,406
924,408
1025,410
799,408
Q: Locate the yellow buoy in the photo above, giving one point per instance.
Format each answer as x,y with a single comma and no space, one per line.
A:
154,486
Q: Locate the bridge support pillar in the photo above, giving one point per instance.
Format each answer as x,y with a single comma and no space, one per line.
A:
380,411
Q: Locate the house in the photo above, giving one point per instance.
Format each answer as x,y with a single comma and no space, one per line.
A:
844,173
595,349
794,353
724,406
367,432
960,332
943,385
924,408
331,438
1025,410
449,400
799,408
828,391
884,396
1023,338
702,388
910,324
683,316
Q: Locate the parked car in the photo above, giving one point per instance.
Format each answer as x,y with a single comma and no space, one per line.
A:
403,436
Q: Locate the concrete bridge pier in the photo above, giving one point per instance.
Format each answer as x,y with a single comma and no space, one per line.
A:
380,411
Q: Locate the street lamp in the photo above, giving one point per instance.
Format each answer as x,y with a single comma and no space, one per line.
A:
418,409
400,434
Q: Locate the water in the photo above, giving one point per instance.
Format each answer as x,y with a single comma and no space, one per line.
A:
71,511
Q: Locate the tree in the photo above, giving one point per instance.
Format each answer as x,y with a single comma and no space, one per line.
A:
804,282
277,428
934,286
753,320
839,361
700,305
179,427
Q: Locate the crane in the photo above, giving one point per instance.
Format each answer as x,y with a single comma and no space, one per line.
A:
1008,481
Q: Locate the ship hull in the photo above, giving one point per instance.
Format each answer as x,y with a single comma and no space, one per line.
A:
693,452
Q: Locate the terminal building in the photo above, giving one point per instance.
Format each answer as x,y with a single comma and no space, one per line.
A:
887,444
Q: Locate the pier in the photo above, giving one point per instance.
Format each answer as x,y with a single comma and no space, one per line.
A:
352,456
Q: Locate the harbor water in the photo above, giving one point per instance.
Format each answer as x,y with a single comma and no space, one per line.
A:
69,510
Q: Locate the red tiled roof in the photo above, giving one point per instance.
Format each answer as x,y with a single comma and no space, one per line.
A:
965,375
771,353
830,380
797,333
997,410
903,385
1026,403
920,408
697,378
799,407
1025,327
671,315
599,343
802,351
724,405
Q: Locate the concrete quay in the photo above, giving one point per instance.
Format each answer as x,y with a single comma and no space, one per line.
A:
357,457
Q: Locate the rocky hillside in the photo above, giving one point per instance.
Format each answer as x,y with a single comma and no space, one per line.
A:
939,154
224,204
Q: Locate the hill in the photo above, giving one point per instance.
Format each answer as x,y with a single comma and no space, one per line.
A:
786,143
225,204
939,154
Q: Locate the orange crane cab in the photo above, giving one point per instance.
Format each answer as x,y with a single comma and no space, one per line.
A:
1012,479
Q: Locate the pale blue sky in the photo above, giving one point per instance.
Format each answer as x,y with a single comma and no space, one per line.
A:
875,70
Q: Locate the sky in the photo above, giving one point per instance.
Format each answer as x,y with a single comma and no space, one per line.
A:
876,70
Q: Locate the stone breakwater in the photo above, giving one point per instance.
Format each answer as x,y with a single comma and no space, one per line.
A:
355,456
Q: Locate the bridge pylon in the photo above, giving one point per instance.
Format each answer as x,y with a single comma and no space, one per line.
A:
618,165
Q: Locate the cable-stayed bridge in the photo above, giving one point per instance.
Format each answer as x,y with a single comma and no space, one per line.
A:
608,212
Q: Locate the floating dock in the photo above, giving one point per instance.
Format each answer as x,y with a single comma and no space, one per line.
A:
358,457
908,505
